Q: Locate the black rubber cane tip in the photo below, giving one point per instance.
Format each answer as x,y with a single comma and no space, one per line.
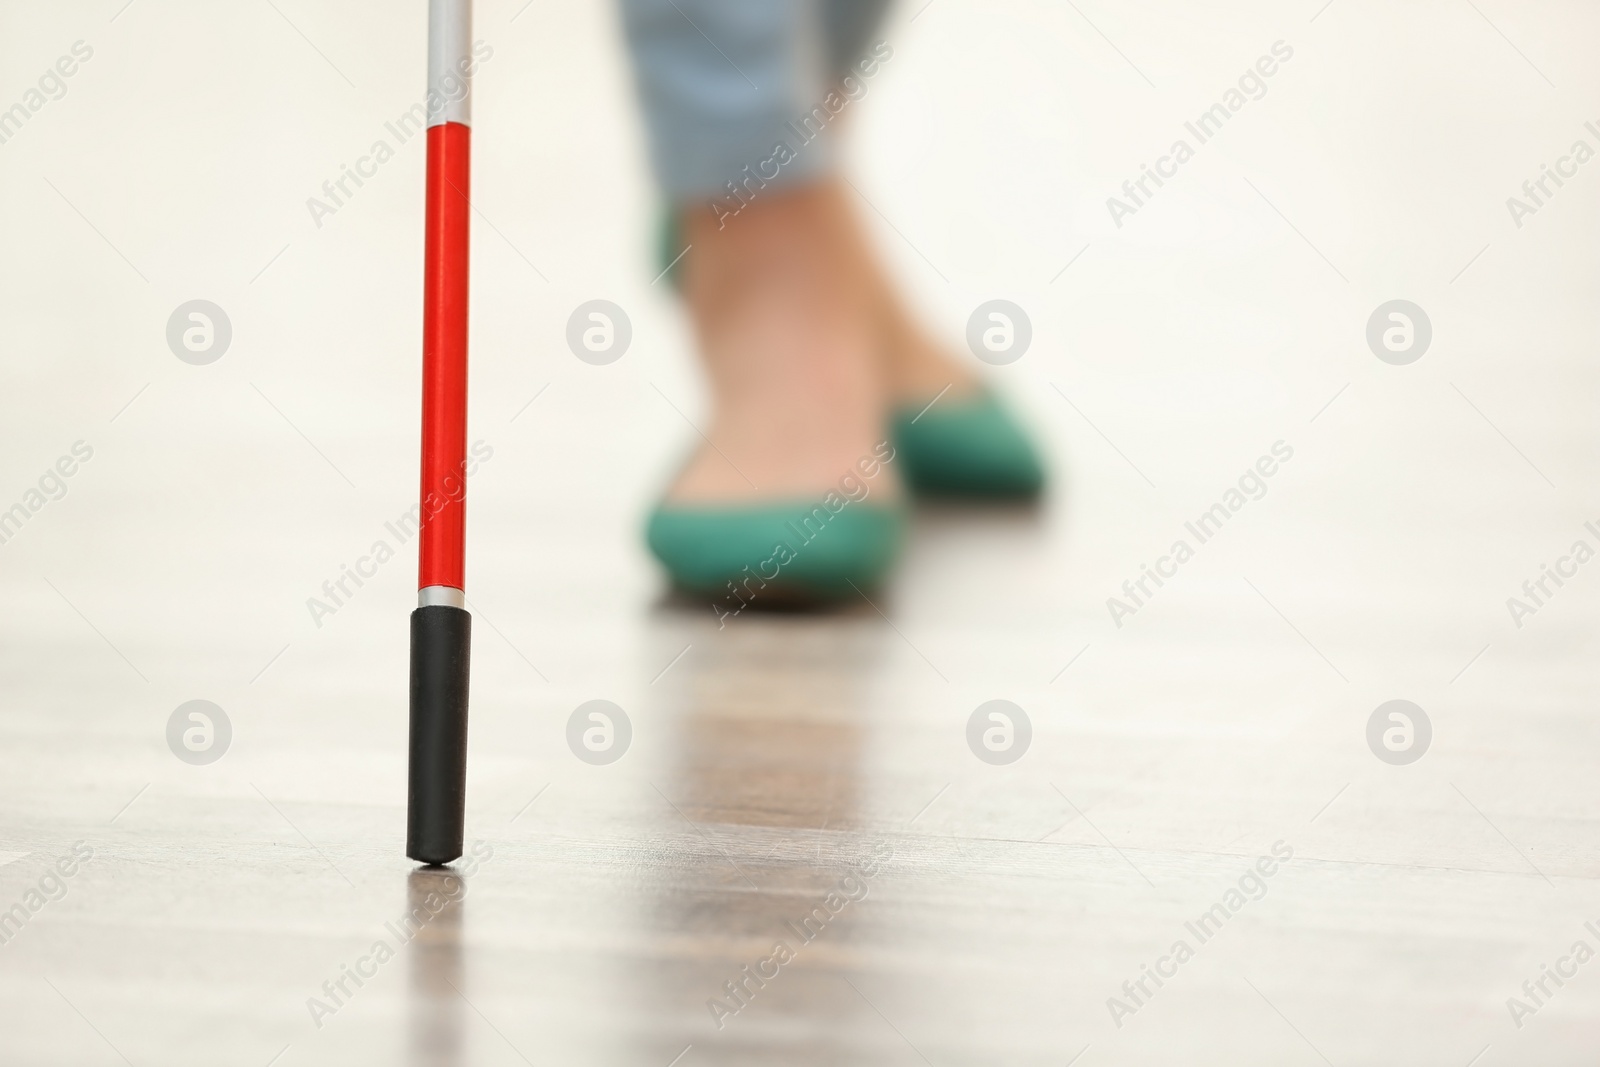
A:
436,802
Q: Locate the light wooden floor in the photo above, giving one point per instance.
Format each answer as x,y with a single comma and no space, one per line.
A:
774,756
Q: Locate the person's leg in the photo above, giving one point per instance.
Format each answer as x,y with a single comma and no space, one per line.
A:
780,305
953,436
783,316
808,347
916,368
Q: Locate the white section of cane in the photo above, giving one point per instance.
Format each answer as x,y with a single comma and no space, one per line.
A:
450,62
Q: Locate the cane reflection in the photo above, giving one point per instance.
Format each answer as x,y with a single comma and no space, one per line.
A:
434,899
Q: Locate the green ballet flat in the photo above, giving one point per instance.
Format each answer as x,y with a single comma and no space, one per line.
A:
966,447
776,554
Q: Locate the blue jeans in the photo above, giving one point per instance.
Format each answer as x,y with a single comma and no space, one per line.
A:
740,93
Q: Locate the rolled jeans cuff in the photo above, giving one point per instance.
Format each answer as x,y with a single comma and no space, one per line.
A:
734,91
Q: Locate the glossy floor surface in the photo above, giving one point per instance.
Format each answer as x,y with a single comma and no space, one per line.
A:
1208,853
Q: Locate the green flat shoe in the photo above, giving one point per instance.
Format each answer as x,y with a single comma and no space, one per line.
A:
967,447
776,554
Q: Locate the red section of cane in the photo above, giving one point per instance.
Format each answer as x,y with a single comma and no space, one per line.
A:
444,359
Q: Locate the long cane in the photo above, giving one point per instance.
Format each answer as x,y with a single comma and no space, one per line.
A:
441,628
